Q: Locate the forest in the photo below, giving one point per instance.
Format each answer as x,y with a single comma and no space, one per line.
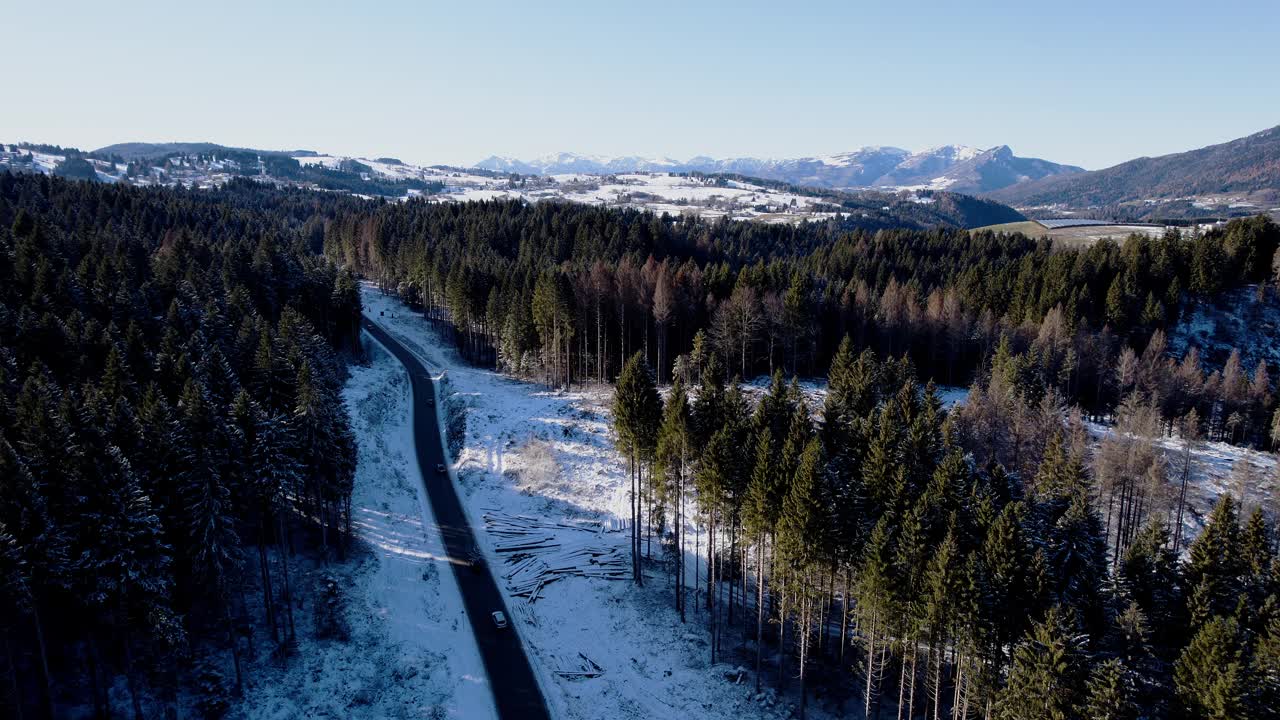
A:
878,552
567,293
171,433
172,439
988,562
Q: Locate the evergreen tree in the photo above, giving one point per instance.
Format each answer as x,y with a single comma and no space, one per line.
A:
1110,693
637,412
1210,678
1047,679
1213,569
673,458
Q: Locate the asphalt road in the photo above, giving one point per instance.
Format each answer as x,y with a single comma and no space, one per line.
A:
515,689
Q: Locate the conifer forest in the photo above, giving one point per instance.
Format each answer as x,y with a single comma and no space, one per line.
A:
173,440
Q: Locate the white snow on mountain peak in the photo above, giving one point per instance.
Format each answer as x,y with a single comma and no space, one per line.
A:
867,166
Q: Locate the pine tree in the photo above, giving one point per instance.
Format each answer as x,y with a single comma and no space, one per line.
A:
1010,568
128,566
942,600
1110,693
1265,671
1077,560
874,605
759,518
1210,677
1213,569
1048,675
881,463
673,458
210,521
1148,575
802,538
637,412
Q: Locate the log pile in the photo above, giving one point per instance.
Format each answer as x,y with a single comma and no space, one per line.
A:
541,552
580,667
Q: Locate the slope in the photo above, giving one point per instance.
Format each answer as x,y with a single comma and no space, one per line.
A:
1246,166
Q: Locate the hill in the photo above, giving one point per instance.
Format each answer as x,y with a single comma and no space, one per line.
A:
947,167
132,151
1242,175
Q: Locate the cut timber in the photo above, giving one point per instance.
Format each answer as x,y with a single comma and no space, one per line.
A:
582,667
542,552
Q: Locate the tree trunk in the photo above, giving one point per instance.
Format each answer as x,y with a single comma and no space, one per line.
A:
235,648
806,609
782,635
101,707
733,545
14,690
711,584
635,544
651,501
46,679
697,562
268,597
871,671
759,610
130,676
911,691
844,617
284,559
680,539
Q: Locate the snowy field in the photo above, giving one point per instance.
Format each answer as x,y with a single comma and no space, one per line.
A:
410,653
656,192
550,456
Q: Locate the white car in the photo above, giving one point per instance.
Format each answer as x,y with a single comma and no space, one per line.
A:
499,620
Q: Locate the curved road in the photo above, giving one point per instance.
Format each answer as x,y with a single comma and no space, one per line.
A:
515,688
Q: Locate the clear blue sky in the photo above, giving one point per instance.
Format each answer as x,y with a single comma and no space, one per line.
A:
1084,82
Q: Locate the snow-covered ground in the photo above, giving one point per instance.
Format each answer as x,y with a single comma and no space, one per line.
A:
550,456
1237,321
1215,471
815,392
657,192
411,653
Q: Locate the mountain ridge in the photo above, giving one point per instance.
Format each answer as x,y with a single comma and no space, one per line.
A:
958,168
1243,167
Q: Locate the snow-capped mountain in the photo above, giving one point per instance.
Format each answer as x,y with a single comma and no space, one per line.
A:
922,167
567,163
952,167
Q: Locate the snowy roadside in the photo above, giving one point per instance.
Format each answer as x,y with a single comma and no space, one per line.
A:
410,652
550,456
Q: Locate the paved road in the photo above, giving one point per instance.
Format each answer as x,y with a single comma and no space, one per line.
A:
515,689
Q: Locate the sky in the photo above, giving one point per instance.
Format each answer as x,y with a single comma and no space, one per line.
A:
1086,83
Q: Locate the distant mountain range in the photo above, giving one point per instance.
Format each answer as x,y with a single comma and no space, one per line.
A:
1242,175
956,168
